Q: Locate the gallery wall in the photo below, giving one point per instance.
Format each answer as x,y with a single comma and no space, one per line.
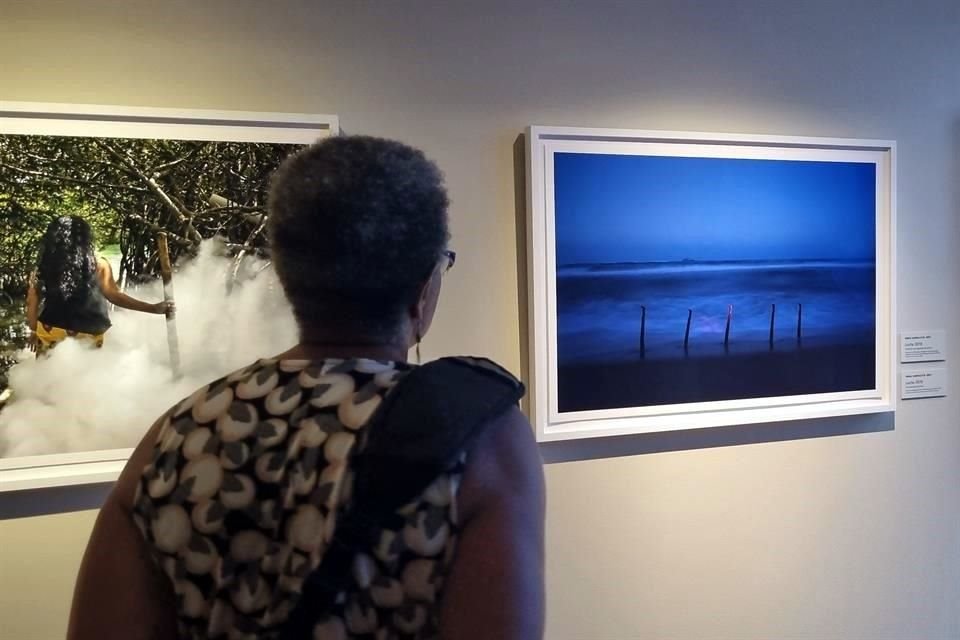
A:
841,528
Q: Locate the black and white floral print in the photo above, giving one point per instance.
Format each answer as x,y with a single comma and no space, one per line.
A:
242,495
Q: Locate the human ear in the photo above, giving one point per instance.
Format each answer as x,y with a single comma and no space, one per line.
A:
421,313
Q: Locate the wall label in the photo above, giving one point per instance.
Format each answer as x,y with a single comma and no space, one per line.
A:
923,346
923,383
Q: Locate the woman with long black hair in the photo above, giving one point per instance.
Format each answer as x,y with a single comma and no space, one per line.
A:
69,292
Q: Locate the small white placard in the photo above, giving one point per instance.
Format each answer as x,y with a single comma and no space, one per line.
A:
923,383
923,346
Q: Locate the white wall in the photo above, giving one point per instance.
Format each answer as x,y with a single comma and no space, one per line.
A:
834,529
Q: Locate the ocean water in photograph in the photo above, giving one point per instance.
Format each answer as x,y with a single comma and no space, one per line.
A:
823,316
602,307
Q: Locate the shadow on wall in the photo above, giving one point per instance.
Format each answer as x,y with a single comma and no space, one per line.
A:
665,441
597,448
523,298
40,502
954,177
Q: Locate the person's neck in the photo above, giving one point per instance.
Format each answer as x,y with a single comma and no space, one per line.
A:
318,349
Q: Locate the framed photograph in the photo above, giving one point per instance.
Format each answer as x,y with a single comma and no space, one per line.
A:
685,280
130,173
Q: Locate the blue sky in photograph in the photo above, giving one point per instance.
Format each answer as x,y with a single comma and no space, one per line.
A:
615,208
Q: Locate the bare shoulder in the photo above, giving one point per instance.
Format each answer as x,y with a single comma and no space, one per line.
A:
495,588
503,465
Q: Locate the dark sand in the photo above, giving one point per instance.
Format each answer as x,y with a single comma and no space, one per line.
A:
785,371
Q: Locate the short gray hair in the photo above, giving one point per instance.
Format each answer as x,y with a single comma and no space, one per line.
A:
356,226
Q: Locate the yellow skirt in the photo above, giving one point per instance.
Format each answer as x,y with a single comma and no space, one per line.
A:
48,336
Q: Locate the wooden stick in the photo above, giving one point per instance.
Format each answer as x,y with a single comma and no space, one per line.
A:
643,330
726,332
773,315
166,272
686,336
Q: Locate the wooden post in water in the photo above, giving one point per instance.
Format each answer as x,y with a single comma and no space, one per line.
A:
799,322
773,315
643,330
726,332
686,335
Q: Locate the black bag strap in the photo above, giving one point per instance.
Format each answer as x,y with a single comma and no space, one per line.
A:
433,414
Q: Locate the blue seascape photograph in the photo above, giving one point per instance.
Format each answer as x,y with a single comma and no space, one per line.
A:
693,279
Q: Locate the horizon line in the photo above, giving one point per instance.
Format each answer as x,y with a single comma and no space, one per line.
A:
716,261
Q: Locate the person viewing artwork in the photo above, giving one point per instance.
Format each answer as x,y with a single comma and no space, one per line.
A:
244,512
69,291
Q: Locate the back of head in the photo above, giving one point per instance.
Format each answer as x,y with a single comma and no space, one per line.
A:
356,226
67,265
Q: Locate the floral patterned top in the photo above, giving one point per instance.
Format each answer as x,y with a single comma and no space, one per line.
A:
242,495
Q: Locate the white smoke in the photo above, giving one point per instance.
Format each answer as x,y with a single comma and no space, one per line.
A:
84,399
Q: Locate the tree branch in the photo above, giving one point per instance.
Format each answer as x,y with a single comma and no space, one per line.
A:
56,178
246,247
153,226
247,213
183,216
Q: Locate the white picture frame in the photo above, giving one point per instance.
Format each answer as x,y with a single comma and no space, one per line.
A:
29,118
552,424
